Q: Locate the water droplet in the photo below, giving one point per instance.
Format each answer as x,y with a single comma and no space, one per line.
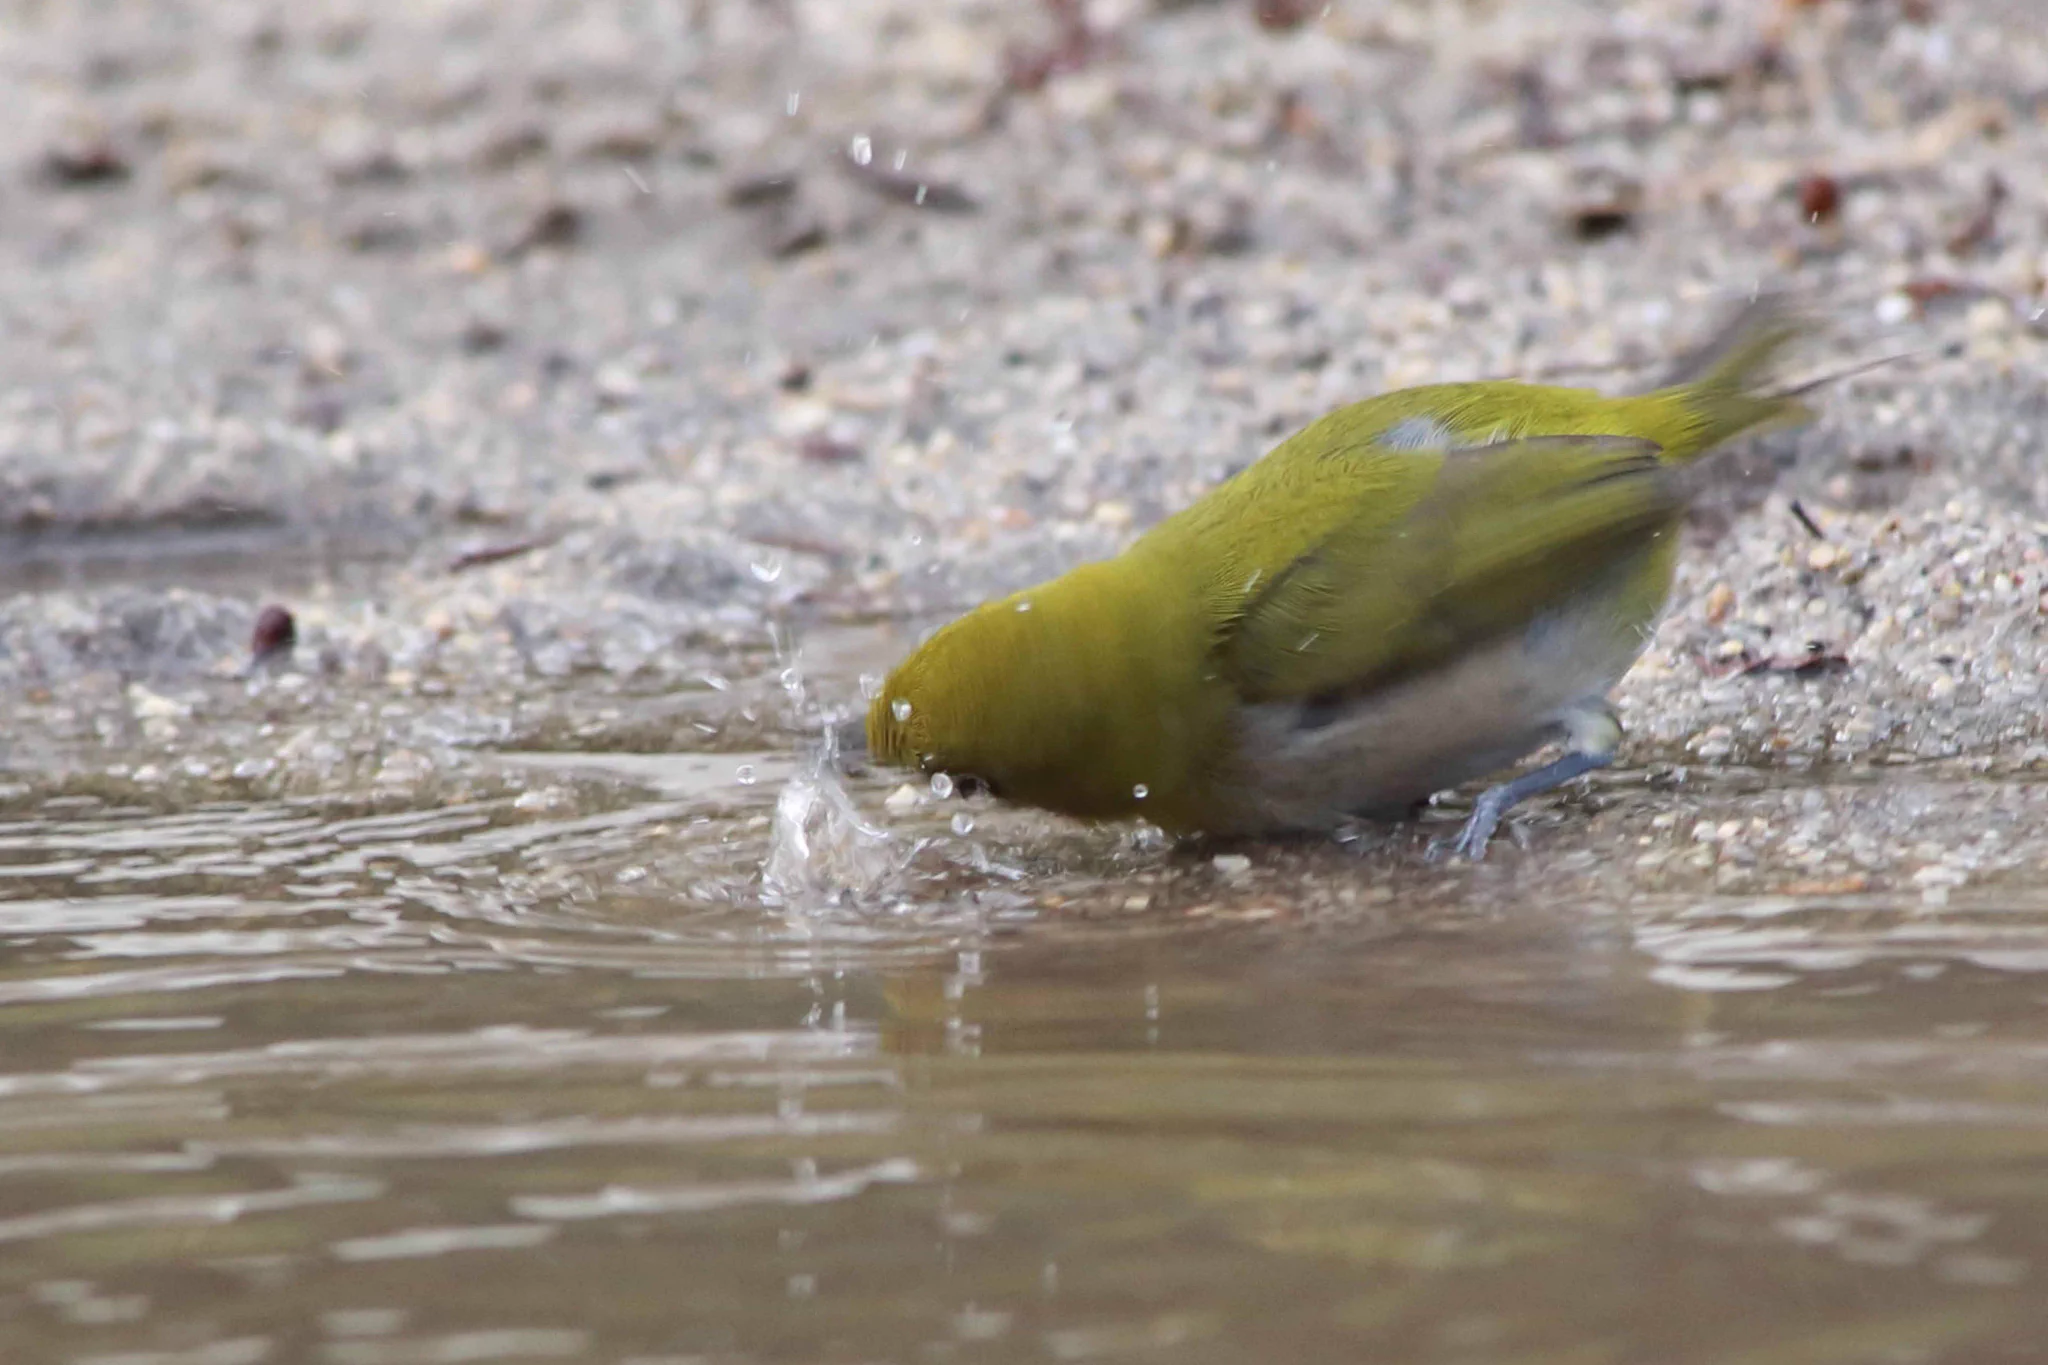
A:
795,102
1249,582
791,678
1024,606
870,686
963,823
942,786
900,709
861,149
768,570
744,775
1141,791
902,157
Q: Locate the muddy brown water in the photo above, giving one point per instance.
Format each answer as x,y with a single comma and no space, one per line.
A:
559,1079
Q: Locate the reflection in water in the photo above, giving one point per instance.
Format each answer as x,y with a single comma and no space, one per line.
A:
540,1080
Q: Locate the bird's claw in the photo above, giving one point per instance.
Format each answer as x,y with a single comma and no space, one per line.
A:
1472,838
1476,835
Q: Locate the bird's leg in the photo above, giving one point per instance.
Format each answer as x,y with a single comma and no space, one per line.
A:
1592,736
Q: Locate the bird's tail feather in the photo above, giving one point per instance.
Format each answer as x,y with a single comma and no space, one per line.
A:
1721,383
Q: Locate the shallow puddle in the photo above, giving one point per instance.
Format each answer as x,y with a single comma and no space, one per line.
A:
549,1077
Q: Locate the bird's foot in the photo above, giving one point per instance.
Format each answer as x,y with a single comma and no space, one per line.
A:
1478,830
1496,801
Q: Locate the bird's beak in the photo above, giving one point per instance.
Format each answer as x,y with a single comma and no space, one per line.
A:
850,746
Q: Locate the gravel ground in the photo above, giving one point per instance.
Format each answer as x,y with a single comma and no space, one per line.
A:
553,362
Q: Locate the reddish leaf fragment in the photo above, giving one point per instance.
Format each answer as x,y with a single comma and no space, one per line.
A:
1278,16
1075,44
275,634
1820,197
823,448
1984,223
85,161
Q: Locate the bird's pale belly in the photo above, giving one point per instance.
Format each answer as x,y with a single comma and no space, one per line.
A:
1314,765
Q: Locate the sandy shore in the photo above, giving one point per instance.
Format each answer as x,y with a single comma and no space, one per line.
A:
543,359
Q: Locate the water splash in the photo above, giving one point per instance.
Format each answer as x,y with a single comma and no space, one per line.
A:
820,850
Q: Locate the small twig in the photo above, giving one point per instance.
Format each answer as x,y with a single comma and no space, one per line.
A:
912,190
492,554
769,187
1817,659
1805,519
798,543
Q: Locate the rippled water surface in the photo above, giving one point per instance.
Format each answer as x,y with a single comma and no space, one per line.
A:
553,1078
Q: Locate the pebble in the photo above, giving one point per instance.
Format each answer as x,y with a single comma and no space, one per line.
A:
1720,601
149,705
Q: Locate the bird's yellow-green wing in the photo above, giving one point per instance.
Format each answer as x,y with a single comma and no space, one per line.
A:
1504,532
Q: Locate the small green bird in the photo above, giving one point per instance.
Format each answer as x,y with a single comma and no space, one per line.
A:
1410,593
